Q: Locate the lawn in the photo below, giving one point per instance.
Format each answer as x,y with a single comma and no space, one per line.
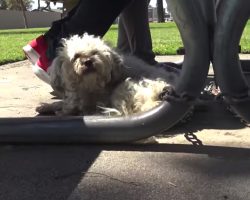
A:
165,36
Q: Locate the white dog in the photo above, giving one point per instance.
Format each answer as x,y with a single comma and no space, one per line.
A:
94,78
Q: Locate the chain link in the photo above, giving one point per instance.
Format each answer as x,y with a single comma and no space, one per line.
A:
191,137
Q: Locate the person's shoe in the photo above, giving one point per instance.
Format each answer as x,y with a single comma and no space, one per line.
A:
35,49
41,69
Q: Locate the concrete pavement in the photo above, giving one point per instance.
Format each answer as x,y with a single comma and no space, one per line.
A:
174,169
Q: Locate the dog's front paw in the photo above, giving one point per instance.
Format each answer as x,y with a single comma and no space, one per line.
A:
49,108
45,108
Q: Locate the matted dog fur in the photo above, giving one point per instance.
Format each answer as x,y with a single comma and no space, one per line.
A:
94,79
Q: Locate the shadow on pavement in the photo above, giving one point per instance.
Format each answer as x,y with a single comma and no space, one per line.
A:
55,172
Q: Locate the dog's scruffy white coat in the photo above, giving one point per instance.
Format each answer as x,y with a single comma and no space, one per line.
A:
93,78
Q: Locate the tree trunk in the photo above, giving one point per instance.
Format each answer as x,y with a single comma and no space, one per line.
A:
38,5
160,11
23,11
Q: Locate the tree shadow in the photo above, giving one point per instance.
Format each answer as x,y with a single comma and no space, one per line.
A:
55,171
36,172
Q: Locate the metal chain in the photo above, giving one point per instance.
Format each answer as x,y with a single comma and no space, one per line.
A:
191,137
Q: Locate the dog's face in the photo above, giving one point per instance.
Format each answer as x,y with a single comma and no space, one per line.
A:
93,67
90,63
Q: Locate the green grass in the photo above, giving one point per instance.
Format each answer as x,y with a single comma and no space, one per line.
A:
12,41
165,37
245,39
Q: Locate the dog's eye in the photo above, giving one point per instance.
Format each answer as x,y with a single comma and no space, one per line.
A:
77,55
94,52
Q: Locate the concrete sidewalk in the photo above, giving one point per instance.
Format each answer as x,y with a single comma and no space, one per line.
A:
173,169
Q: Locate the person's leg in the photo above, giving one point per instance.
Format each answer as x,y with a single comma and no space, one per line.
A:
122,40
217,5
91,16
136,27
207,10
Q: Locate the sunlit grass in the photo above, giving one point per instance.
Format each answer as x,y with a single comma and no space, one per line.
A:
245,39
12,41
165,37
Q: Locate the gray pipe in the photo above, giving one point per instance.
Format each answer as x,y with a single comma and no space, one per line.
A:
232,18
91,129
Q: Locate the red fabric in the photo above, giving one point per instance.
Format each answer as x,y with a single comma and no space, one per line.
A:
40,46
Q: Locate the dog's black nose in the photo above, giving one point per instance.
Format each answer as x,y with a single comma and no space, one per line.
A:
88,63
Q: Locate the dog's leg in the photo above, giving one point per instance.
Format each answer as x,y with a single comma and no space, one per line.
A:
56,80
70,104
52,108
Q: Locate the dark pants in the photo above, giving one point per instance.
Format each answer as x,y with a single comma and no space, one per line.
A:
134,33
91,16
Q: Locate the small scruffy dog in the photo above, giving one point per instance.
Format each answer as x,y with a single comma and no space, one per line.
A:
93,79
